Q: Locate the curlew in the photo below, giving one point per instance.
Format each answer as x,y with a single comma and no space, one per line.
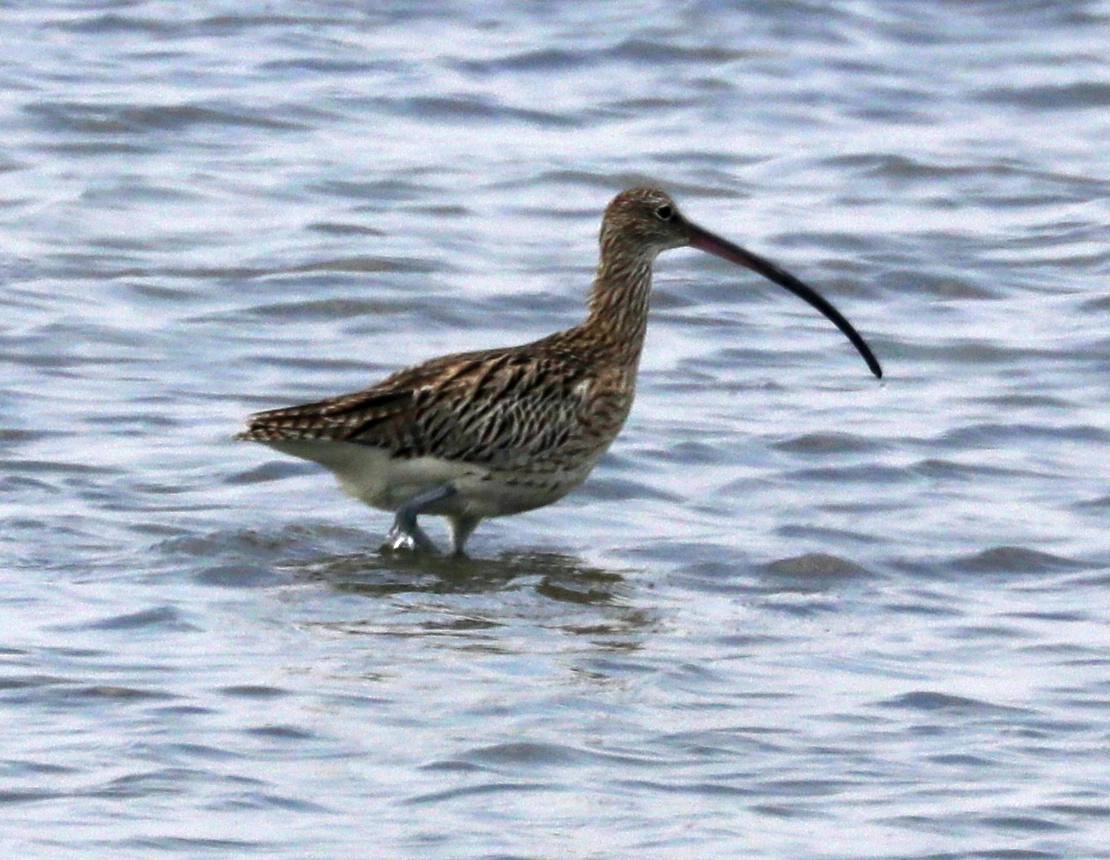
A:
502,431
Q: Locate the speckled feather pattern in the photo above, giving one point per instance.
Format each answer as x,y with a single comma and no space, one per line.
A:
550,406
558,399
499,431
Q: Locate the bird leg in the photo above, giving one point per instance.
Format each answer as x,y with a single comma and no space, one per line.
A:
462,526
406,534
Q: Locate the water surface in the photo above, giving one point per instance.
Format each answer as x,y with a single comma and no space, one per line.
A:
794,613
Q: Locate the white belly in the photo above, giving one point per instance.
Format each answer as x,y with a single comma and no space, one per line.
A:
374,477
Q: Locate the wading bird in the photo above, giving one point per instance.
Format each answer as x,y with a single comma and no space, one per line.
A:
501,431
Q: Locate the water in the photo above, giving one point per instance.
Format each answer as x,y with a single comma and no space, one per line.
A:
794,613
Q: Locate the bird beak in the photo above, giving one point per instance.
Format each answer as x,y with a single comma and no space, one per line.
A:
703,240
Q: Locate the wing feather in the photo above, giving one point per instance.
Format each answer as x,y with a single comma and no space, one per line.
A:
489,407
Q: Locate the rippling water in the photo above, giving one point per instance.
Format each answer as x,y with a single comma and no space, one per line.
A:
794,613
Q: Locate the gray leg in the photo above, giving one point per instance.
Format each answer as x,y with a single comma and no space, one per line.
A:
406,534
462,526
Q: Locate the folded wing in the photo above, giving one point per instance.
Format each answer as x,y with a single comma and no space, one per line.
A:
492,407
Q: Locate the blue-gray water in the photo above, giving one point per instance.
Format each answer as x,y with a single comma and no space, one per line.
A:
794,613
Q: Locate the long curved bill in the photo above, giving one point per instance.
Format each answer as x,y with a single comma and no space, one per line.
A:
703,240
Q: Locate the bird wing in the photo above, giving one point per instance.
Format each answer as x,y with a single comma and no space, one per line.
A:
489,407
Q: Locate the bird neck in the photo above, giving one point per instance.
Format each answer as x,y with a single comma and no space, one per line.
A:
618,304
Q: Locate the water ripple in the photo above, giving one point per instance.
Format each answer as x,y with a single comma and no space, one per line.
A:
793,613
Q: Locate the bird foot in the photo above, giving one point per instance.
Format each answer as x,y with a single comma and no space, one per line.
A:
406,535
399,540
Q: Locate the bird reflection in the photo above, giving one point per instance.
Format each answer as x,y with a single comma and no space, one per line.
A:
560,577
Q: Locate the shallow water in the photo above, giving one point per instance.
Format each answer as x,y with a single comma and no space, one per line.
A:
794,612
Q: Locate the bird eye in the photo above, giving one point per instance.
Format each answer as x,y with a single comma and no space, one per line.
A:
664,213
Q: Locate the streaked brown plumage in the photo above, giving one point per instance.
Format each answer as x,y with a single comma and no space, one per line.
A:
500,431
